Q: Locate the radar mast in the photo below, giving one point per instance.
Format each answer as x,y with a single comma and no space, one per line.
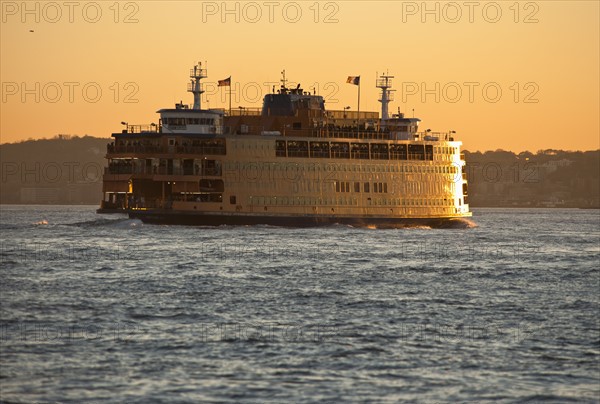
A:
196,74
384,82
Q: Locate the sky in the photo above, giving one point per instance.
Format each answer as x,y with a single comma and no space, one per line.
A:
512,75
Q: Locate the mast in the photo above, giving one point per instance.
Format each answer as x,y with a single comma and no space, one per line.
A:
283,81
384,82
196,74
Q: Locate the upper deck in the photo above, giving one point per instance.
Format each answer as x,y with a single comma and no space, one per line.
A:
285,113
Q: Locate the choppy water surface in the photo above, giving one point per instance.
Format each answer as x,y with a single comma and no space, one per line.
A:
105,309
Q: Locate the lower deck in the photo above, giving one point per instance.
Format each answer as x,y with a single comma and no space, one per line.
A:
177,217
250,177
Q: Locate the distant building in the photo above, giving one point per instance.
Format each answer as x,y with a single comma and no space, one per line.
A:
553,165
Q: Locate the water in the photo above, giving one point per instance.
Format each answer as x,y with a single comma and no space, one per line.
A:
101,308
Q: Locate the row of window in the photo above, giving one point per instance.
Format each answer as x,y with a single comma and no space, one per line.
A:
199,197
188,121
331,167
165,166
378,187
338,149
346,150
344,200
175,145
445,150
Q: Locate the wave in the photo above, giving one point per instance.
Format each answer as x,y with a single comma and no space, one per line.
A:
419,227
105,269
127,223
117,223
461,223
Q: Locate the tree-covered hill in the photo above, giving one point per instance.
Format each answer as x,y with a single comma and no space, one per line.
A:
68,170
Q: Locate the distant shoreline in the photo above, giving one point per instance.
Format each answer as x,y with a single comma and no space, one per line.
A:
68,170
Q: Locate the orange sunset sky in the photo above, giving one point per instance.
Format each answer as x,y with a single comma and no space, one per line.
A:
506,74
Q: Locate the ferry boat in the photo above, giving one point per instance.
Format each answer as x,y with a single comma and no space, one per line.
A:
290,163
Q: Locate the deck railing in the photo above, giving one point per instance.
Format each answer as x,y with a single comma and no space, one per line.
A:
149,128
161,170
151,149
338,132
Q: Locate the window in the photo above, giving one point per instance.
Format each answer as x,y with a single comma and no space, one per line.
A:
211,167
357,187
398,152
342,186
416,152
366,187
340,150
319,149
280,149
379,151
359,150
429,152
211,185
297,149
379,187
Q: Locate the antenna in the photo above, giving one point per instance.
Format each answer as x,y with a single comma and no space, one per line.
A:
385,84
196,74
